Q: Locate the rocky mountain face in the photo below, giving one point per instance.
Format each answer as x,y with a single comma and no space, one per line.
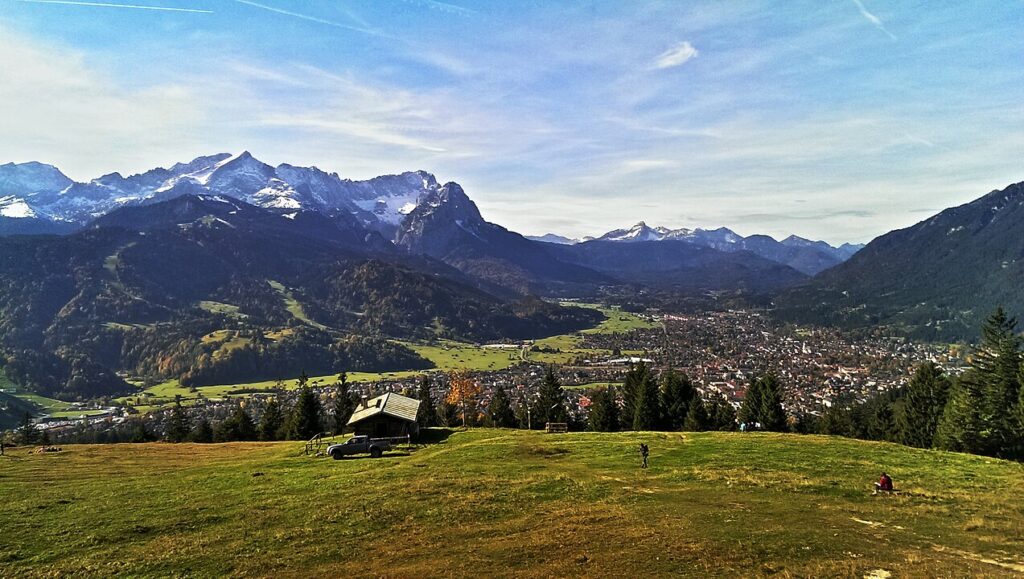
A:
42,193
936,279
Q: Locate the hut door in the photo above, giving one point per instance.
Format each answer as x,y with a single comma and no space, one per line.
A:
381,429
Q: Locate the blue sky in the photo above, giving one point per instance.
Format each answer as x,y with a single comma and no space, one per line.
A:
837,120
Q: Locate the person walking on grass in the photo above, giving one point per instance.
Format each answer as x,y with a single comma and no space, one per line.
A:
645,451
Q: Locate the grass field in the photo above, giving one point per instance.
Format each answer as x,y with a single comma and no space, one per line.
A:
510,503
446,356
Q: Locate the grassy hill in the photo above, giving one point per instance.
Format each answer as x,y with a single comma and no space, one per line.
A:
498,503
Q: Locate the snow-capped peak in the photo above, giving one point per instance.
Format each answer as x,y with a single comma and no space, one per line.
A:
381,203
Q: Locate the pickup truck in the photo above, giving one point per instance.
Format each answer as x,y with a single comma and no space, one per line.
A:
362,445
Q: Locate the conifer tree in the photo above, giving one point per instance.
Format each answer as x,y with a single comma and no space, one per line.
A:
676,395
750,411
647,411
696,417
27,432
604,410
959,429
881,423
835,422
426,416
722,415
637,375
550,404
177,423
344,405
272,421
499,411
772,417
238,426
202,432
305,421
979,416
926,398
140,433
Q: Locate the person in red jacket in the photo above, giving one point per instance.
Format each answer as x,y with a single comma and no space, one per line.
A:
884,483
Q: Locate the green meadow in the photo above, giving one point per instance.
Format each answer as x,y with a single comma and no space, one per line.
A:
513,503
445,356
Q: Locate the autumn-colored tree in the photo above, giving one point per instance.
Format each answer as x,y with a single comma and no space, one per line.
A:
462,391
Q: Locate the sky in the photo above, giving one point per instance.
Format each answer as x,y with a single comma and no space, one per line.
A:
830,119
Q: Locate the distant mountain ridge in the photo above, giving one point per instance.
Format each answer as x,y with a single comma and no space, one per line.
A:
411,210
804,255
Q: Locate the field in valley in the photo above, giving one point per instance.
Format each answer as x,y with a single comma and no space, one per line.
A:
446,356
501,503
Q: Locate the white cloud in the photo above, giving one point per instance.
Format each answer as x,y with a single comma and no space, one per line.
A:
677,55
874,20
113,5
60,110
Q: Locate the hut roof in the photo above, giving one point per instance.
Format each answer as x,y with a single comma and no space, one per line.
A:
391,404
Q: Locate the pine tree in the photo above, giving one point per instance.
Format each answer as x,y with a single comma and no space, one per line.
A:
499,411
305,420
926,398
202,432
882,421
676,395
647,411
604,410
772,417
722,415
177,423
272,421
238,426
426,416
979,416
344,405
27,432
959,427
750,411
637,375
140,433
550,404
835,422
696,417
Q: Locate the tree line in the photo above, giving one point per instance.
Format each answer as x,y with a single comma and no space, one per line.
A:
979,412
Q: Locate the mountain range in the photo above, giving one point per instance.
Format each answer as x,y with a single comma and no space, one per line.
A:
806,256
937,279
411,211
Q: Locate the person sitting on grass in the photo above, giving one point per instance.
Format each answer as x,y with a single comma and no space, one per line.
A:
884,484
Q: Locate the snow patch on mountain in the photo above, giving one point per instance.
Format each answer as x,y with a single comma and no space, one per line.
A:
15,208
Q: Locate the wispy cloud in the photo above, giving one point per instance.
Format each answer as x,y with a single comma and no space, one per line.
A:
113,5
442,6
677,55
307,17
874,20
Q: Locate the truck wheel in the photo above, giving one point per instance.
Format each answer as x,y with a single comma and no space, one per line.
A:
375,452
336,455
